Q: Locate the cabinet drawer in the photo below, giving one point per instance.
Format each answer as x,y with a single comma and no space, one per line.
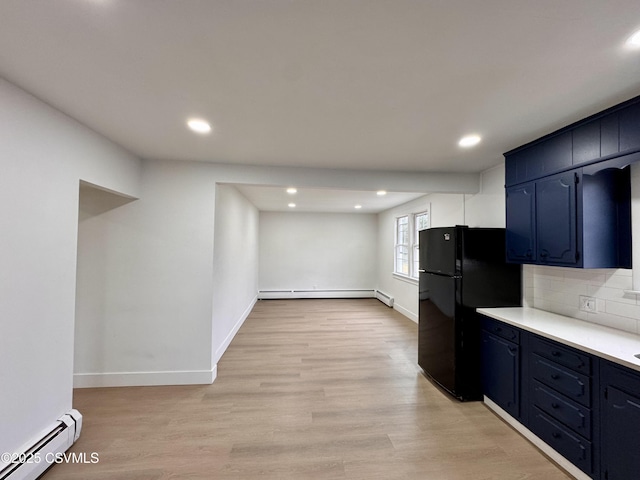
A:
571,446
574,385
573,415
626,379
501,329
563,355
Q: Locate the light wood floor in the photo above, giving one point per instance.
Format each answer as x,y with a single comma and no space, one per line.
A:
308,389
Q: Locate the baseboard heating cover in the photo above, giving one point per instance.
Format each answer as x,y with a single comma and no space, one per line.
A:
34,460
337,293
384,298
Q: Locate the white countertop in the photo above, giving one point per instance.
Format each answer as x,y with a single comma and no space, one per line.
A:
615,345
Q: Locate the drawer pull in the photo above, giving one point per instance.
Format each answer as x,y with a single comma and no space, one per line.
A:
555,435
555,405
555,376
555,353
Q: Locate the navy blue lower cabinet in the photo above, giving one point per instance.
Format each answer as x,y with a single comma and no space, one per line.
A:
554,391
620,423
573,447
570,413
572,384
563,409
501,372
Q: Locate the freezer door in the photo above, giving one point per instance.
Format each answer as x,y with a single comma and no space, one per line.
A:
488,280
438,250
437,329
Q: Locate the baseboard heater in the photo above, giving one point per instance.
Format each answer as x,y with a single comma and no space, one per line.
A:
337,293
384,298
31,463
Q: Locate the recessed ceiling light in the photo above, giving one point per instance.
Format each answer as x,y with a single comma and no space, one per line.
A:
634,40
291,190
357,207
380,193
469,141
199,125
292,205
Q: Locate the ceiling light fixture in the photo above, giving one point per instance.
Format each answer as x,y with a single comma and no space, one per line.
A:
381,193
292,205
292,190
634,40
357,207
199,125
469,141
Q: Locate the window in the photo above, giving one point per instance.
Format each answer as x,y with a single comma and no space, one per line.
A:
402,245
421,221
406,255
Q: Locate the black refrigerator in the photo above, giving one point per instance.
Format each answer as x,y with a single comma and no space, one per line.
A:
461,269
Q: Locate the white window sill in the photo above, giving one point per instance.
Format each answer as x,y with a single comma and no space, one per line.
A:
405,278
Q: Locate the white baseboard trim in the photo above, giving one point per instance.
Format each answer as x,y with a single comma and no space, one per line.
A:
569,467
140,379
337,293
407,313
227,341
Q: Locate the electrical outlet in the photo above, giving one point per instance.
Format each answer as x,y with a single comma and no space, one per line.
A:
588,304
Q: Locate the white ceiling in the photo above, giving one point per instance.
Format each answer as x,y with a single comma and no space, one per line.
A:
276,199
355,84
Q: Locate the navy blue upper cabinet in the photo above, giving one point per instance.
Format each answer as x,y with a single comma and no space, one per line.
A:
521,218
629,119
556,154
557,214
613,132
568,193
571,219
609,135
542,158
586,142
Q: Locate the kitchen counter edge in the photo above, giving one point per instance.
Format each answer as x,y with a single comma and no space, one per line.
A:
615,345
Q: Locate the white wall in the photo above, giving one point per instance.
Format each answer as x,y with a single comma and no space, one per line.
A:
487,208
144,312
483,209
235,265
43,155
317,251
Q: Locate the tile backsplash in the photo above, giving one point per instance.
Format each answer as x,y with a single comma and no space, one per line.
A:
558,290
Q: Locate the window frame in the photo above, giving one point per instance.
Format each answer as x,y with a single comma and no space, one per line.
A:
415,247
398,245
412,245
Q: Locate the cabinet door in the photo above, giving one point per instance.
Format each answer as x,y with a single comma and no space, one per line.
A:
521,224
609,135
556,153
501,372
556,219
629,119
586,142
620,434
